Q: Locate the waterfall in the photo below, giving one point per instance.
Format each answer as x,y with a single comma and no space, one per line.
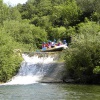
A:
32,69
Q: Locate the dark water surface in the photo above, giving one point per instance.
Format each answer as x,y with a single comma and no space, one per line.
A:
40,91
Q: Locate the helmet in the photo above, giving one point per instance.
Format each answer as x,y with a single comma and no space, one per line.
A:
49,41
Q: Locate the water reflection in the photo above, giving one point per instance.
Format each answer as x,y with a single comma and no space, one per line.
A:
82,92
39,91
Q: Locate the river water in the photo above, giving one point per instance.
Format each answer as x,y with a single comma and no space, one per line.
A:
25,85
42,91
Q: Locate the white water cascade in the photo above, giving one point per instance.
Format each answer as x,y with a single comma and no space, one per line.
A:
32,70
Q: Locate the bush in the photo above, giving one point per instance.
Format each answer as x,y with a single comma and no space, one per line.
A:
25,33
83,56
9,62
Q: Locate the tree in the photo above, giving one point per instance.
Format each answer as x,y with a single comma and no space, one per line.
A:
65,14
14,14
90,9
9,61
83,55
25,33
57,33
4,11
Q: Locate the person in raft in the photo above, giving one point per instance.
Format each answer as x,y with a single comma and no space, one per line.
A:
64,42
59,43
53,44
43,46
49,44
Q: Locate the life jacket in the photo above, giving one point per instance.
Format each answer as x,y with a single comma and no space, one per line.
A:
43,45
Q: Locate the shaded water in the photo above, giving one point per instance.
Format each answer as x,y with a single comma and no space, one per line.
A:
41,91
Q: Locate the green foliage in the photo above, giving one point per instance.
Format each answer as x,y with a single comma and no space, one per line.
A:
84,54
25,33
28,25
4,10
96,17
14,14
65,14
57,33
9,62
41,21
86,5
96,70
45,7
90,9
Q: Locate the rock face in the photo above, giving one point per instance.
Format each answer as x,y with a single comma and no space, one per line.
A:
54,73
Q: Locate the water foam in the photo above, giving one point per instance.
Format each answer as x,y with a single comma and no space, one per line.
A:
31,71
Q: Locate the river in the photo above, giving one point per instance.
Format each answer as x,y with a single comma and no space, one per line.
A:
26,84
43,91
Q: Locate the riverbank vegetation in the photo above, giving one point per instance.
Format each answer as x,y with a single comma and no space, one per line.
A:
83,56
26,26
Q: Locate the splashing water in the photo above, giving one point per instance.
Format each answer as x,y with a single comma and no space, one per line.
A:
32,70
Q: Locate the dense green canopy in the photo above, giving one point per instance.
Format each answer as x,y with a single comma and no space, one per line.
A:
27,25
